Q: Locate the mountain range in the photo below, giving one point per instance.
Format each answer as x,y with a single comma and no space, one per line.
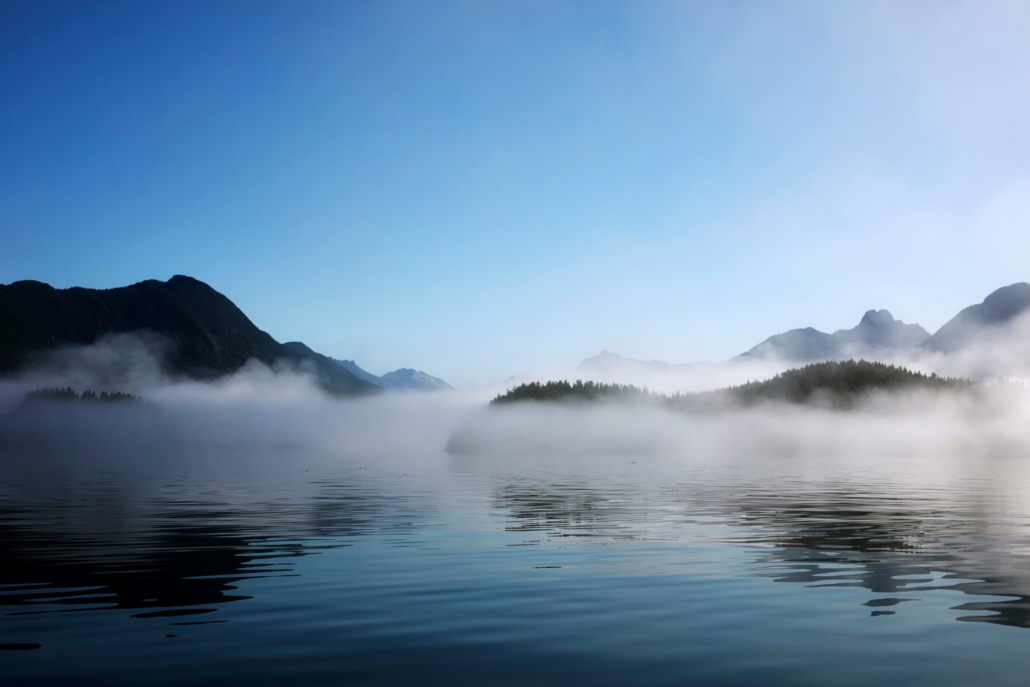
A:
981,320
877,331
607,362
209,335
877,334
403,379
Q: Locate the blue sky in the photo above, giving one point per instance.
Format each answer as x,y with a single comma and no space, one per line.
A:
480,189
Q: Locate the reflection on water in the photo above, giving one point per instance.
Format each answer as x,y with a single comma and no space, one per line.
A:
890,546
876,536
535,558
90,543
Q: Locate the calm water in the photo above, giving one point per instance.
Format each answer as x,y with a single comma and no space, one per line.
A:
288,567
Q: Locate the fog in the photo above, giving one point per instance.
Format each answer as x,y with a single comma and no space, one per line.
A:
228,461
257,407
281,407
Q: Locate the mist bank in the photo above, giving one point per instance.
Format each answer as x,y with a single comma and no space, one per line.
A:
832,408
909,423
259,406
267,406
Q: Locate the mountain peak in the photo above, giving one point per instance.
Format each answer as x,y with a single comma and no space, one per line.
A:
1006,302
877,318
403,378
602,357
1000,307
876,330
408,378
185,279
298,347
209,335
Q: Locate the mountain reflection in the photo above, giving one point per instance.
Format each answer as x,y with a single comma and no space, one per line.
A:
179,545
888,540
813,533
89,545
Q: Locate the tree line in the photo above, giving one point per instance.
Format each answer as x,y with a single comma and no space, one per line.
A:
838,383
69,394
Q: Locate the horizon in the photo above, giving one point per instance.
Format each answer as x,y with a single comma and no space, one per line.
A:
301,305
471,192
604,353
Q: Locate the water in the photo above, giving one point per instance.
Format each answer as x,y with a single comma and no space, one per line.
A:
294,567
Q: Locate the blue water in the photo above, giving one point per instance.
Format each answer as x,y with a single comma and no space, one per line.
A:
291,567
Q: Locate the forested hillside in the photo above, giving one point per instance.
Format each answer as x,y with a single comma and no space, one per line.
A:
837,383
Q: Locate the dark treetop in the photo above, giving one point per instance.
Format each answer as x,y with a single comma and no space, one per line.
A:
70,394
837,383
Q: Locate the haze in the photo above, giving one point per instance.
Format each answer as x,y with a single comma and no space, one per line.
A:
481,190
261,407
581,342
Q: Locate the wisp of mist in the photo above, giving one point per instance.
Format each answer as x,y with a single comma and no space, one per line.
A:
269,407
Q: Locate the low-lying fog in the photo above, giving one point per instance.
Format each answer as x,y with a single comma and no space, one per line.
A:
264,407
944,473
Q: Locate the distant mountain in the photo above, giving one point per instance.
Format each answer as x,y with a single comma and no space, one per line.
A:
977,321
795,345
878,328
404,378
209,334
327,371
878,331
606,361
608,366
357,371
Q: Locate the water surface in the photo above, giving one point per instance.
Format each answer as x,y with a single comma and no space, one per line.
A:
298,567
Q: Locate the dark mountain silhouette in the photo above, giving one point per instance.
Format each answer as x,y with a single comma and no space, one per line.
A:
878,330
404,378
977,321
328,372
210,336
353,367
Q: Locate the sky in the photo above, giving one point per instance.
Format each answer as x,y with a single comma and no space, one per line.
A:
478,189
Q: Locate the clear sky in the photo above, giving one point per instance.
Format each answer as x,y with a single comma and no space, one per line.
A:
478,189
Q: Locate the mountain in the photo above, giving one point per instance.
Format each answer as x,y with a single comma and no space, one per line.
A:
878,328
209,335
608,362
327,371
977,321
404,378
878,331
357,371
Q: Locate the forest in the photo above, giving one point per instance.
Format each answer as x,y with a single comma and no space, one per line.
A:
70,394
835,383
